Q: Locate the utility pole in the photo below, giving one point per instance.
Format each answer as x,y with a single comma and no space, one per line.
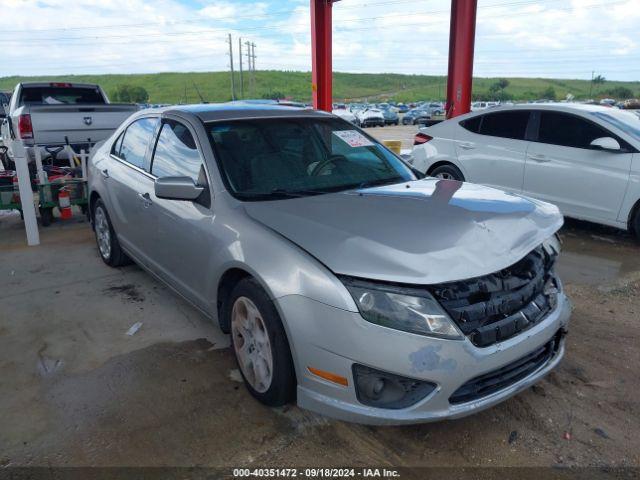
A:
248,45
253,66
233,83
240,59
591,84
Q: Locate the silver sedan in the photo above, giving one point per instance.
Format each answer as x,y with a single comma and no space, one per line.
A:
346,282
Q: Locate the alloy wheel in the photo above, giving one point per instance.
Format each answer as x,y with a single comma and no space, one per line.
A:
251,344
445,176
103,233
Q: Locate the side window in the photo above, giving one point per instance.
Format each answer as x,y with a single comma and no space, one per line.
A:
115,150
505,124
568,130
136,140
176,154
472,124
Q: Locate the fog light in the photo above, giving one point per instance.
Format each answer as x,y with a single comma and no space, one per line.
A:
386,390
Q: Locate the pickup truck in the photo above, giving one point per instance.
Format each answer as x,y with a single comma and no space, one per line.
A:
52,114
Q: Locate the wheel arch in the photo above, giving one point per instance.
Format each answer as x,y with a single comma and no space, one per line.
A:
632,213
93,198
441,163
227,282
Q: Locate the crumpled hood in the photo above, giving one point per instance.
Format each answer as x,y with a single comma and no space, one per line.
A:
421,232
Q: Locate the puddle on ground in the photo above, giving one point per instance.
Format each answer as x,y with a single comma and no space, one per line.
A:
595,255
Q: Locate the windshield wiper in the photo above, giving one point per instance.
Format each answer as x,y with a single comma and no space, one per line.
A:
379,182
295,193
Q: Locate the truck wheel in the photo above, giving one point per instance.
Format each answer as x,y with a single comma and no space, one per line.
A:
46,216
260,344
107,240
448,172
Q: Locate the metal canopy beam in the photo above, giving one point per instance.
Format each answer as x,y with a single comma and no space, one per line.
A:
461,42
322,68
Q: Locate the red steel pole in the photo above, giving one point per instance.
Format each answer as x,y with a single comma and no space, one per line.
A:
461,42
321,68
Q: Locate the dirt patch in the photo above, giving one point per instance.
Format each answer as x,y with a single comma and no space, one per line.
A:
128,292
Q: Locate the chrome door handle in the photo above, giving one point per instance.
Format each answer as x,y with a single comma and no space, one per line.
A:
146,199
538,157
105,173
467,145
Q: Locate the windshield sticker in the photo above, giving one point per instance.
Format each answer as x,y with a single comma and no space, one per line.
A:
353,138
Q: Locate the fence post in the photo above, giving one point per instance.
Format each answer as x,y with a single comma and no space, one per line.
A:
26,200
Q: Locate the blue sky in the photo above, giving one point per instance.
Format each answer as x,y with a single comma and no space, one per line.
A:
542,38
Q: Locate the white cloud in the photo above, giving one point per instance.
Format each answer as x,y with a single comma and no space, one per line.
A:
559,38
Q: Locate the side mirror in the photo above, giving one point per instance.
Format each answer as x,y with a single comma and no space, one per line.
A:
177,188
606,143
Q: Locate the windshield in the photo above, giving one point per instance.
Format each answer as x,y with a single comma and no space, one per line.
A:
628,122
272,158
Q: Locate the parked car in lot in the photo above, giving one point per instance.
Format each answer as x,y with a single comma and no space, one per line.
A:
582,158
346,115
345,281
416,116
53,113
402,108
436,108
390,116
370,117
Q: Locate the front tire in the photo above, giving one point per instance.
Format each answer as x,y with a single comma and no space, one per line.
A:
106,238
634,225
448,172
260,344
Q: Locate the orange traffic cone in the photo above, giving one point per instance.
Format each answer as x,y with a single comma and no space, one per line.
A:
64,204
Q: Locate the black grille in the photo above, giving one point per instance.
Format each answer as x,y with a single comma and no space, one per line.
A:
499,379
498,306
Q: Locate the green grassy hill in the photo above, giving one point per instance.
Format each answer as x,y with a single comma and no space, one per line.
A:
177,87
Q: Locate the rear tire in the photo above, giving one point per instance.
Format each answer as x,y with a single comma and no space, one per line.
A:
260,344
448,172
106,238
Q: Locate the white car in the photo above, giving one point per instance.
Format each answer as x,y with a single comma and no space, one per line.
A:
370,117
345,114
582,158
475,106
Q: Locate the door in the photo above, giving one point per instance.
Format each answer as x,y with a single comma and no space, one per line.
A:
183,248
491,148
127,178
562,168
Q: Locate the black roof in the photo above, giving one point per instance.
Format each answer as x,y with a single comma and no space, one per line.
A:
237,110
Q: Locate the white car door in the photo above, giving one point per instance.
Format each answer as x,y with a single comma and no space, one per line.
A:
491,148
562,168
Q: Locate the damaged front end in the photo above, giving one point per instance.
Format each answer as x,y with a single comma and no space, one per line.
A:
498,306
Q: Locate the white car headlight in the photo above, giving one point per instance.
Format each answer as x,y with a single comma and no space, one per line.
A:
407,309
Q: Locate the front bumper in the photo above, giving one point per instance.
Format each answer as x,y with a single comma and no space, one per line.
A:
332,340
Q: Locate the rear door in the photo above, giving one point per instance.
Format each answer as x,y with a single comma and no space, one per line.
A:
182,249
127,180
491,148
563,169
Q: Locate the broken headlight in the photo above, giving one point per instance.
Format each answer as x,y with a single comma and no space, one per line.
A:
407,309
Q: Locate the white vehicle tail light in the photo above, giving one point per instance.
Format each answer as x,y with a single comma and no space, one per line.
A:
25,129
421,138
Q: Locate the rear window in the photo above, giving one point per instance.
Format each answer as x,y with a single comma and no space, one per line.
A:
505,124
471,124
60,96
